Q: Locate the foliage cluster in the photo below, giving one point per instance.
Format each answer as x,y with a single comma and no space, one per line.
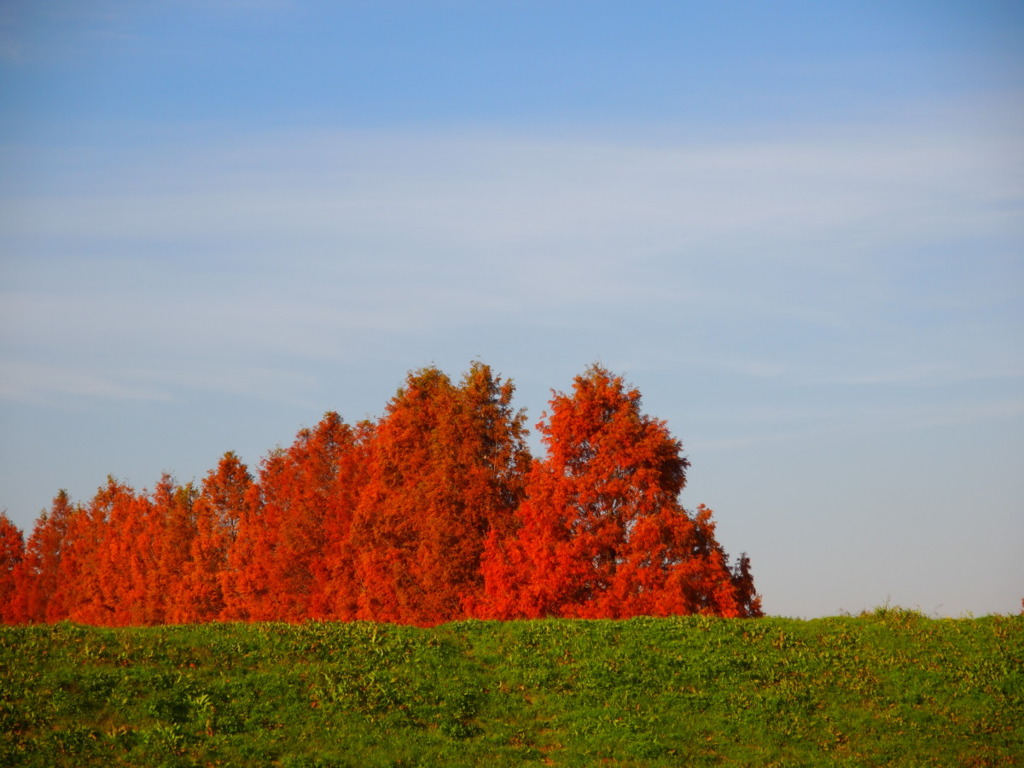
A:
434,512
889,688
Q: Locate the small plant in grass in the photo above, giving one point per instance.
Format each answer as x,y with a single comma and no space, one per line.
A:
890,687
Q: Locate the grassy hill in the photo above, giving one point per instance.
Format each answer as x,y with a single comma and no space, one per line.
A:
889,688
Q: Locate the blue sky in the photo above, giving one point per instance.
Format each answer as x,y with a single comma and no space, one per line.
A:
796,227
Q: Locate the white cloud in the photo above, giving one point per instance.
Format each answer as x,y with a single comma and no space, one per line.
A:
300,249
38,383
484,193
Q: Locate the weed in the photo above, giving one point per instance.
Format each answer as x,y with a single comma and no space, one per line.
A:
887,687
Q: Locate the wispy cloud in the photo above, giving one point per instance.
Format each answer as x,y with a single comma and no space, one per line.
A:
39,383
52,384
938,374
307,247
473,191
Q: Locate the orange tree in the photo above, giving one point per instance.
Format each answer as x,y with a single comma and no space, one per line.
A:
12,552
601,532
35,576
220,504
293,528
446,468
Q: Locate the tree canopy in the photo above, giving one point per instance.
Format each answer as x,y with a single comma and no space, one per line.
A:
434,512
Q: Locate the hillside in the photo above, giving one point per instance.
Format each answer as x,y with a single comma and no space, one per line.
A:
887,688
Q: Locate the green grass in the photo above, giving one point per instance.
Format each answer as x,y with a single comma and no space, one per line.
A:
889,688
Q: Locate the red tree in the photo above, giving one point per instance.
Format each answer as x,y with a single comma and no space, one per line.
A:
221,503
336,584
245,578
88,585
35,577
121,557
170,531
433,513
446,468
281,562
602,533
12,552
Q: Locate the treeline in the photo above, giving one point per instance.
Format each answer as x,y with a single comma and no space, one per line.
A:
434,512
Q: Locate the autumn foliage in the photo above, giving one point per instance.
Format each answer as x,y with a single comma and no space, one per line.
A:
434,512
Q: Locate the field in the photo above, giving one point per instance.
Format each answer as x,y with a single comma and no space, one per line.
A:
887,688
